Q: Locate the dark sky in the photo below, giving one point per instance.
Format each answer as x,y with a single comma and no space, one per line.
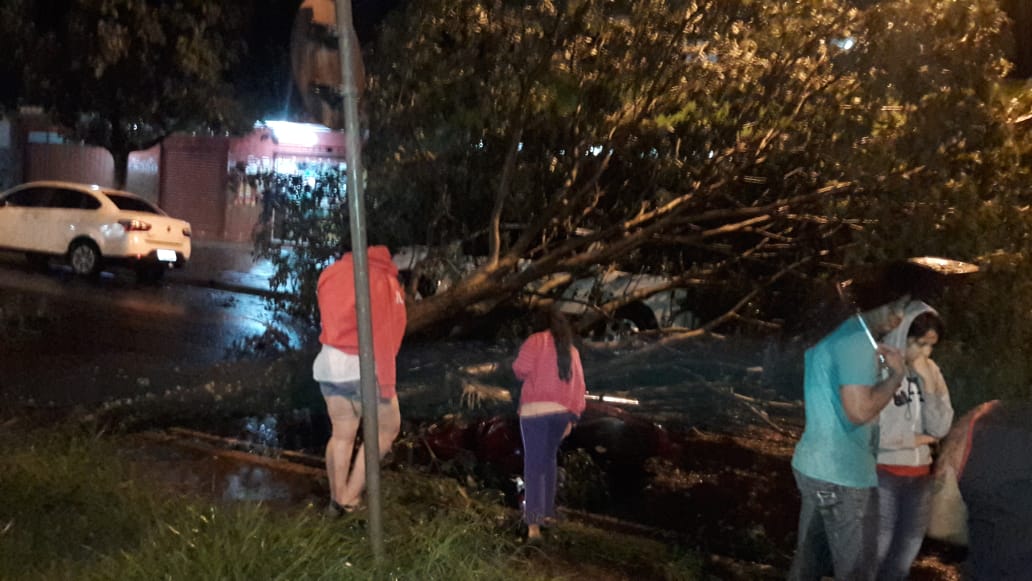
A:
264,75
1020,12
369,13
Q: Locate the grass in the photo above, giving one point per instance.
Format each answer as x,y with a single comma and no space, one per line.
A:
57,490
72,509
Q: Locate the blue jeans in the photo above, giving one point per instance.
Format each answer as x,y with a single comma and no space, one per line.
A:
838,531
541,438
904,505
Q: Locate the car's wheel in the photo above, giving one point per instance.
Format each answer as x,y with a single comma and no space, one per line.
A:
38,261
639,314
150,274
84,258
425,286
616,330
628,320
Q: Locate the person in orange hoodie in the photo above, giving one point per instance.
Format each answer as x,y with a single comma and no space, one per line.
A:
336,368
551,400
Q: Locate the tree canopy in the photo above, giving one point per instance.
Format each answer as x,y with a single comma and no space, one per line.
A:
123,74
744,149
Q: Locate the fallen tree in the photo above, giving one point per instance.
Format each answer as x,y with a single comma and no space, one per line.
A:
742,150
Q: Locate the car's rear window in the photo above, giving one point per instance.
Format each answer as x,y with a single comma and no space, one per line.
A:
132,204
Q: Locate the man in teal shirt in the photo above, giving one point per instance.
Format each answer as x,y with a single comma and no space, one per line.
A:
834,461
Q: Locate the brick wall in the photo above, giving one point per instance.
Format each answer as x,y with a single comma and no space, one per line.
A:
10,155
69,162
193,182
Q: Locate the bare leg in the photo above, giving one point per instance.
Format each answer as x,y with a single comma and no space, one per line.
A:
345,419
389,425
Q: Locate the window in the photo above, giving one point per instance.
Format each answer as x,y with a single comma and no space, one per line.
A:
29,198
132,204
62,198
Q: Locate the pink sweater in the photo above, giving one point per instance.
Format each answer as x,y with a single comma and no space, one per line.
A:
536,366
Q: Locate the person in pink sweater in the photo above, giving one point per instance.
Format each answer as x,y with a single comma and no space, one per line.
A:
551,400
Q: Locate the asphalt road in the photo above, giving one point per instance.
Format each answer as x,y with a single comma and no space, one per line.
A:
66,340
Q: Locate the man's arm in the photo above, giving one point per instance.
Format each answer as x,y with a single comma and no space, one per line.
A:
863,403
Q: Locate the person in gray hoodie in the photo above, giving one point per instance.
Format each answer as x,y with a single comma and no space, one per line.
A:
919,415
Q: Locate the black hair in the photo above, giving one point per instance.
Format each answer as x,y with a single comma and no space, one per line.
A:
562,336
866,287
927,321
882,284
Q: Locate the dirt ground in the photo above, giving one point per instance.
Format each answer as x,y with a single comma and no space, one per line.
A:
698,454
704,452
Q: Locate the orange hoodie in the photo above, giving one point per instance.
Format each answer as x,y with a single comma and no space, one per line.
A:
336,294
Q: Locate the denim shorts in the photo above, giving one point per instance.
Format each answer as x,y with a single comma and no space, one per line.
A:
349,389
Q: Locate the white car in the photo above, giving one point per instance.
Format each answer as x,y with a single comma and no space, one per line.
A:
93,227
661,310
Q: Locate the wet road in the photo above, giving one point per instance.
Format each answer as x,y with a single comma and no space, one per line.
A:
65,340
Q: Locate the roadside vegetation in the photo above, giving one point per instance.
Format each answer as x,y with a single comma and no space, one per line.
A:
749,153
74,508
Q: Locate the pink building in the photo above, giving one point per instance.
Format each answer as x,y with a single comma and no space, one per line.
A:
200,179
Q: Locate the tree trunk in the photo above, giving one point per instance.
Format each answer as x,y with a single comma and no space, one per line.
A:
121,159
120,148
427,313
468,296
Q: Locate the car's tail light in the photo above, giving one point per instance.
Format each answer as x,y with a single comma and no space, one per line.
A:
186,232
130,225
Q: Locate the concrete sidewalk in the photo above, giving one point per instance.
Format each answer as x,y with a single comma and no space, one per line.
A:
226,266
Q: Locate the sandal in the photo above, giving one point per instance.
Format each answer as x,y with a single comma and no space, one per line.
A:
336,510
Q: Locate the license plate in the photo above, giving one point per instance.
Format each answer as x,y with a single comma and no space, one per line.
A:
167,255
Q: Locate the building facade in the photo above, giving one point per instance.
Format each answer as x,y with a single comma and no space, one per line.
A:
201,179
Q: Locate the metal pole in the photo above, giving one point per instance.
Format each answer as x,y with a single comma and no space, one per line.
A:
356,202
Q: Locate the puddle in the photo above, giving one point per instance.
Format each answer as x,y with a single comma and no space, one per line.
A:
707,489
728,495
225,475
688,460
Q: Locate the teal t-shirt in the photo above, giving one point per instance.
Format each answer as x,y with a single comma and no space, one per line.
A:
832,448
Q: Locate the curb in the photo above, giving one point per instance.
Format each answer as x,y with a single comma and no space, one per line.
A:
217,284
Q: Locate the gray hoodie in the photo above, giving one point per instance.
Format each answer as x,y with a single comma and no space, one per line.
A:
913,410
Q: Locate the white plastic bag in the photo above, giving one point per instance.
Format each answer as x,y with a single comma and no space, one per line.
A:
949,513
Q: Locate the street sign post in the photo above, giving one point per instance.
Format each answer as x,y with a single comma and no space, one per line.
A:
347,45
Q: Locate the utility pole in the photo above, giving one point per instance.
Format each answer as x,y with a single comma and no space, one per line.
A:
346,43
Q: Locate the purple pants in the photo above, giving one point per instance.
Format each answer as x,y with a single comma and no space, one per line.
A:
541,438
